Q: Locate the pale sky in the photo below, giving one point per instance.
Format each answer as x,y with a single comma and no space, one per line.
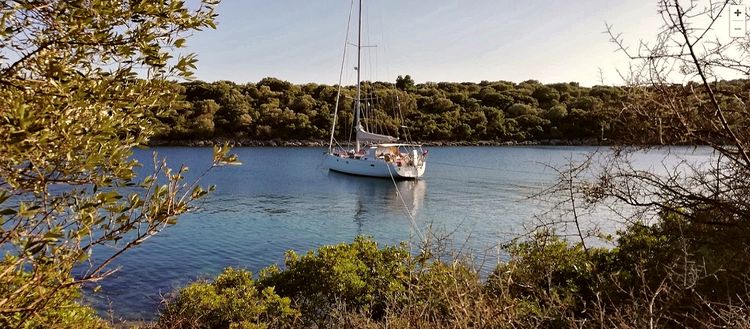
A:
437,40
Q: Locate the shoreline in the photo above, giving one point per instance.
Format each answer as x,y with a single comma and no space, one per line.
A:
324,143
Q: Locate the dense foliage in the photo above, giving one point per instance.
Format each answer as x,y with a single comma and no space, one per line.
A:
682,257
233,300
486,111
670,274
84,82
79,81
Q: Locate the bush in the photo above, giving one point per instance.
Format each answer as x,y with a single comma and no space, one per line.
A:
233,300
676,272
658,275
549,278
359,275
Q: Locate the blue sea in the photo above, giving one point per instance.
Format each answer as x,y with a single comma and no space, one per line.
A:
282,198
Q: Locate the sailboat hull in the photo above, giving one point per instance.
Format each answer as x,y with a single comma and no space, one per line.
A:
373,167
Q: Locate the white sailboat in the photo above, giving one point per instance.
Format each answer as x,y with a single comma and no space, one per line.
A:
373,155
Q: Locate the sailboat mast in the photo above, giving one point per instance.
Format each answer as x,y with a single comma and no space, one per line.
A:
341,77
358,102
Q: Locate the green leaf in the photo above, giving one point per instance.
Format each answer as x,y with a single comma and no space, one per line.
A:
4,195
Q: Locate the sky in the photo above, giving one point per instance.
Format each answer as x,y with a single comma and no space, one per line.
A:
302,41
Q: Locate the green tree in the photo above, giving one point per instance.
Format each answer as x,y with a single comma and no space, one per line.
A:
517,110
546,96
203,117
405,83
490,97
73,103
556,113
233,116
496,126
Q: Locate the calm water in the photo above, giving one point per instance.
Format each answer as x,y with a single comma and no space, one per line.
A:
281,199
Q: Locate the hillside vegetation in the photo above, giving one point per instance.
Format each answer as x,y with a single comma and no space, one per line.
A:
445,111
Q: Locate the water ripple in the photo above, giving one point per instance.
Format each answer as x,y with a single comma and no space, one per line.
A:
281,200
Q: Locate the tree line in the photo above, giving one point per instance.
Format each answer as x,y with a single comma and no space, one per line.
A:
72,108
445,111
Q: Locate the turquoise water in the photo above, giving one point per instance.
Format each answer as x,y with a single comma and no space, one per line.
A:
281,199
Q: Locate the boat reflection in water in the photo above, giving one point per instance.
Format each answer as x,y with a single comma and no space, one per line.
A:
377,198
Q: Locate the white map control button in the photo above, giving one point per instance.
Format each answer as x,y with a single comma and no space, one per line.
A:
737,21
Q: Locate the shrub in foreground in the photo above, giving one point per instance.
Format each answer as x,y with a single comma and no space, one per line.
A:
233,300
663,275
359,275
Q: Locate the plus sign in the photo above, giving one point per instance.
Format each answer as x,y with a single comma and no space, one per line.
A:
738,13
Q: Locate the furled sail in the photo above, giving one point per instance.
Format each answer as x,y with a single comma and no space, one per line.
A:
365,136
